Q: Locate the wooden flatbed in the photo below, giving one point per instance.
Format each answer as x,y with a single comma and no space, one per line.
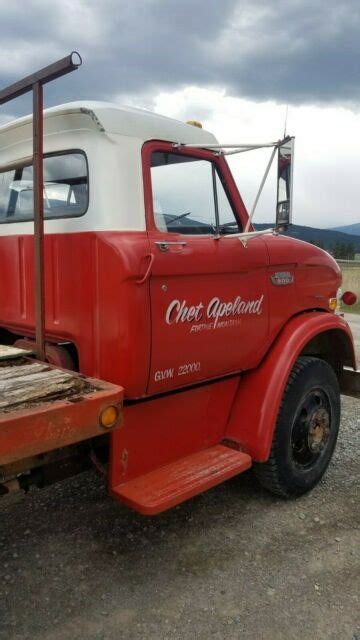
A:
43,407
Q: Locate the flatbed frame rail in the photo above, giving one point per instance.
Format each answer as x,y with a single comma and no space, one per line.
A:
43,407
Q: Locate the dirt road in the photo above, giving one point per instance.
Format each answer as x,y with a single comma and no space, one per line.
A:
232,563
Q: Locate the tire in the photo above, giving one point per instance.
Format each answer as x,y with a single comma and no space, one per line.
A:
306,430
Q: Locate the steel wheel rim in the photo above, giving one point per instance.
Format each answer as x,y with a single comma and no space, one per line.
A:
311,429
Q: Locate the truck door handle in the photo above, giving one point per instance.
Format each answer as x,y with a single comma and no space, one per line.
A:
151,259
164,244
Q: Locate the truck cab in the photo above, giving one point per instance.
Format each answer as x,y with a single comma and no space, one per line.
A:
148,287
143,277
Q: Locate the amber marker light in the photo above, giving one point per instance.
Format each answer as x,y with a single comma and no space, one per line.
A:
333,304
109,416
194,123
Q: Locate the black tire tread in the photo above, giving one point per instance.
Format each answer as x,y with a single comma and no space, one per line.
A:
267,472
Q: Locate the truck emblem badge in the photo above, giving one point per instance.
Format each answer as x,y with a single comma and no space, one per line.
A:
281,278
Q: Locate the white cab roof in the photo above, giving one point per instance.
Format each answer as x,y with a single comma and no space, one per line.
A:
113,119
112,138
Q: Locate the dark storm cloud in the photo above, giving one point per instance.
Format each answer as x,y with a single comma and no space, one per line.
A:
292,51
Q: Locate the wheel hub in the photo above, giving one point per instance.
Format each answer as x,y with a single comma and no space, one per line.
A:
318,430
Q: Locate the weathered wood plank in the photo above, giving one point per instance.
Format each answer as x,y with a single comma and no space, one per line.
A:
21,371
40,377
36,386
8,351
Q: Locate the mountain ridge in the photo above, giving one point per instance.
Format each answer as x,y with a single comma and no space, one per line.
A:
352,229
326,237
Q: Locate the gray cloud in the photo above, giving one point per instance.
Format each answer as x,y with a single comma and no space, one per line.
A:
300,51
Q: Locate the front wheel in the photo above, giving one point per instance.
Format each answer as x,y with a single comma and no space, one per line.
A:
306,430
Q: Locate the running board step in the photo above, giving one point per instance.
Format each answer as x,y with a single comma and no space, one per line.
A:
166,487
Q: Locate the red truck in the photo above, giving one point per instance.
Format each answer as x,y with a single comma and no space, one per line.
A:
226,343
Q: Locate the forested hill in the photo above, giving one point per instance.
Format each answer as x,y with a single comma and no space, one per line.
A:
352,229
325,238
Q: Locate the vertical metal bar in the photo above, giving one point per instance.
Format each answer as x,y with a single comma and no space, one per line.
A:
260,190
38,190
216,202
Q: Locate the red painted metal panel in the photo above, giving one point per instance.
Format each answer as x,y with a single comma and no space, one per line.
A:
166,487
158,431
93,300
257,402
316,278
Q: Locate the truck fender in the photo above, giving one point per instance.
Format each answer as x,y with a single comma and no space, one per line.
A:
254,413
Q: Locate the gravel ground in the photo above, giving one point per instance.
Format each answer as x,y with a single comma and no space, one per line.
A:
354,321
232,563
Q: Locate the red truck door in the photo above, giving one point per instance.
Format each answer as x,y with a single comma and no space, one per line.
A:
209,299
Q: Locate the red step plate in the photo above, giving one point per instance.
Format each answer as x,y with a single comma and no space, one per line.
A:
173,483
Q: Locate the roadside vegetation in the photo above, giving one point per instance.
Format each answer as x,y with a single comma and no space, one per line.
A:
355,308
351,282
339,250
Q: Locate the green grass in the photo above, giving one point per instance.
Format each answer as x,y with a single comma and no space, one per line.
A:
355,308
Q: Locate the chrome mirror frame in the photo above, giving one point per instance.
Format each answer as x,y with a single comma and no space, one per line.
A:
285,178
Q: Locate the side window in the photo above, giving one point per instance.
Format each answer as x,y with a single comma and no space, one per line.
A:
228,223
65,189
183,194
189,196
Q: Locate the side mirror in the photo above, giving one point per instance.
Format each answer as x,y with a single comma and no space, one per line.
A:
285,182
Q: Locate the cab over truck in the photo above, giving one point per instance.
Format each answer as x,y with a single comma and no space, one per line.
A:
227,343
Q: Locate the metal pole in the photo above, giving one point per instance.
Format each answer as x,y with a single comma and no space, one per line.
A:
38,191
51,72
249,147
260,190
35,83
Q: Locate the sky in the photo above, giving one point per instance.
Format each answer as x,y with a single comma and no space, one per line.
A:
235,65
